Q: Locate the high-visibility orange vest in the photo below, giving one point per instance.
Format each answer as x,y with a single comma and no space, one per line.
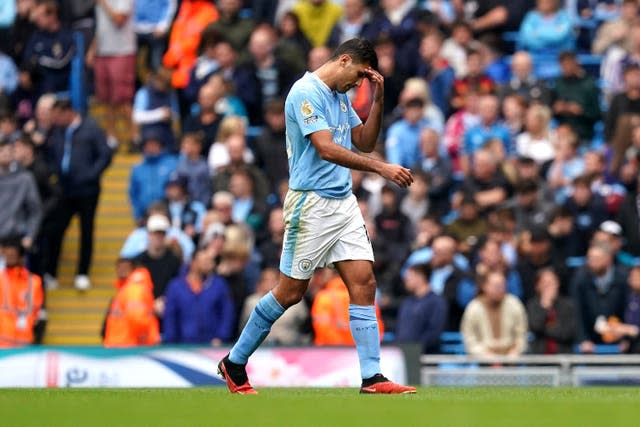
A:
184,40
21,298
131,320
330,315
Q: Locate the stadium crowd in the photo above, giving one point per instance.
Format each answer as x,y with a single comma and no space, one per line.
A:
519,119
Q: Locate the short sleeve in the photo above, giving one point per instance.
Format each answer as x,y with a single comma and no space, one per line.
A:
309,111
354,120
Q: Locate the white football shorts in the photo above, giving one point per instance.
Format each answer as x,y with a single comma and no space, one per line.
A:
320,231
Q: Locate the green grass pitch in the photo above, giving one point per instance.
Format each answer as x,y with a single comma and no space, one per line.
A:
606,407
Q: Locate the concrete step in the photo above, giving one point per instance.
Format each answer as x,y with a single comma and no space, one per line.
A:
74,327
72,339
77,316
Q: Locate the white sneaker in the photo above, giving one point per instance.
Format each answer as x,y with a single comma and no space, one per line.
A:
82,282
50,282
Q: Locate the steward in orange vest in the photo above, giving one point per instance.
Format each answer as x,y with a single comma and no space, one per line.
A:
330,315
21,298
131,320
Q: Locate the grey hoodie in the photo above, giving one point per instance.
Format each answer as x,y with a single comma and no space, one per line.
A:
20,207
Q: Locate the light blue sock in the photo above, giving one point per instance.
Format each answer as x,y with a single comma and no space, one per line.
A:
364,328
257,328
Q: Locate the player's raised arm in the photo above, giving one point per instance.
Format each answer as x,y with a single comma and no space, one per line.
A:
334,153
364,137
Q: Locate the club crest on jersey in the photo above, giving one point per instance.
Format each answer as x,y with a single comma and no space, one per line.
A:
306,109
304,265
343,106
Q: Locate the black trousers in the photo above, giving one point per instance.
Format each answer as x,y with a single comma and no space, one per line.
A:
85,207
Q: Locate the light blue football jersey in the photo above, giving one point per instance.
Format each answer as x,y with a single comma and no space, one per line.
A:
310,107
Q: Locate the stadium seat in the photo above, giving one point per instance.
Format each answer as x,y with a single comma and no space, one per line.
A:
451,343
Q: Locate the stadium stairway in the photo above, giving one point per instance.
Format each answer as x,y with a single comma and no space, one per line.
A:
75,318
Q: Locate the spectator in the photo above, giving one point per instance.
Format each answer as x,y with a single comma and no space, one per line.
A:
456,47
21,295
598,289
536,254
494,323
400,20
270,145
494,64
113,56
355,22
476,79
79,154
469,226
248,207
523,82
435,70
218,157
528,169
271,76
271,247
9,129
290,328
567,164
130,321
49,51
536,142
610,233
490,258
530,207
547,30
617,59
199,308
39,126
489,128
588,209
185,213
439,171
162,263
552,317
616,31
194,167
402,142
422,315
49,192
514,108
457,127
394,226
8,75
632,312
497,16
317,18
330,315
22,29
138,240
237,146
394,81
222,205
149,177
626,102
152,20
235,27
184,39
415,87
292,43
205,119
602,184
415,204
629,219
486,183
155,107
575,98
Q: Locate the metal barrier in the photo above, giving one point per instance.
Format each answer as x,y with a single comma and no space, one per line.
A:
528,371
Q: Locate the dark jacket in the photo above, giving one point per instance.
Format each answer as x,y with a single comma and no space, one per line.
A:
162,270
591,303
90,156
440,172
271,153
583,91
422,320
557,324
629,220
21,210
198,318
452,294
587,219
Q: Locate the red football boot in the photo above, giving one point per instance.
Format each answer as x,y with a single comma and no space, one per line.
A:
236,377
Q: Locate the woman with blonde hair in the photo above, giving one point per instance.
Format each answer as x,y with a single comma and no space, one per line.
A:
536,141
415,87
219,152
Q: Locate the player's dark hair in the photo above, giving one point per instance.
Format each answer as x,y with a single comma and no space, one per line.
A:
360,50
